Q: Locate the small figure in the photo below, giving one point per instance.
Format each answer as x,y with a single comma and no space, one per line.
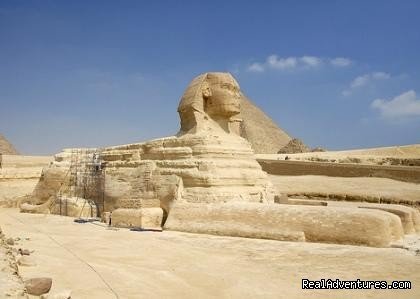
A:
96,162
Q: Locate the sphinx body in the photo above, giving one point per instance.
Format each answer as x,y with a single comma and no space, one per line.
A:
207,162
204,180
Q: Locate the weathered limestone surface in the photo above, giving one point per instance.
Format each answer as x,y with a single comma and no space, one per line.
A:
288,222
46,190
18,176
49,184
145,218
410,217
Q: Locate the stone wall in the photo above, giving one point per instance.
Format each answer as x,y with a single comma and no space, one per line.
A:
281,167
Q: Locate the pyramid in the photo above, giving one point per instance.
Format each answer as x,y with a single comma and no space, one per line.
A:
260,130
6,147
294,146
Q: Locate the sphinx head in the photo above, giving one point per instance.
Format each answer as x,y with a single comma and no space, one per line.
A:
210,96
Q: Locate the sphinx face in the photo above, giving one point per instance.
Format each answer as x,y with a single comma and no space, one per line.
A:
224,98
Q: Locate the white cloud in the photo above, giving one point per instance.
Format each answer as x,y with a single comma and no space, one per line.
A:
256,67
311,60
340,62
368,78
365,80
281,63
292,62
404,105
381,75
360,81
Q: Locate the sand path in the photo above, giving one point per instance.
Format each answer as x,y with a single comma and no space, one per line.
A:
95,262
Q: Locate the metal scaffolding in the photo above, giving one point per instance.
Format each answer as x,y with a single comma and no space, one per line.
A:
85,179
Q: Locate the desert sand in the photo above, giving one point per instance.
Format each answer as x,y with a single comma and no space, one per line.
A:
92,261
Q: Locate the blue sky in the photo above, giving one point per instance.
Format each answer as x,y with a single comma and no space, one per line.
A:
337,74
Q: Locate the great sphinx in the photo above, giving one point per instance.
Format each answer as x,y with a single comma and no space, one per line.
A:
205,179
206,162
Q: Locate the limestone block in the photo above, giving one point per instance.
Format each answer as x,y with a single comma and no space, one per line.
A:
410,217
130,187
145,218
151,218
286,222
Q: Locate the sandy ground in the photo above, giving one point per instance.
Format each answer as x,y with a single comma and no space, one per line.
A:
376,187
382,155
94,262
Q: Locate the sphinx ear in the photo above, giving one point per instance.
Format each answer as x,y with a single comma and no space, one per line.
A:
205,88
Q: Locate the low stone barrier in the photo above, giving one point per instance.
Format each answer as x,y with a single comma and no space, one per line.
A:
282,167
288,222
